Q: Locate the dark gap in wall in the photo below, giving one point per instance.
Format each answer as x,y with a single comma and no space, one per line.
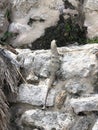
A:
67,4
66,32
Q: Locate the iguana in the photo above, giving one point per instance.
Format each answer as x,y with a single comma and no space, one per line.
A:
53,67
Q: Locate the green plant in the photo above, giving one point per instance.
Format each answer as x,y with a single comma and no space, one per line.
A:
93,40
8,15
67,27
5,36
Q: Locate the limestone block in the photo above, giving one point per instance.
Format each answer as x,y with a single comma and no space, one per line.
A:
81,124
86,104
37,62
46,120
79,86
74,89
79,62
95,127
35,95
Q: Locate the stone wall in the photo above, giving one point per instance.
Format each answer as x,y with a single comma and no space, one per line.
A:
30,19
72,102
27,21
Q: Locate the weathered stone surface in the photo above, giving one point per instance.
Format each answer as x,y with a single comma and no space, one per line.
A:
86,104
79,86
91,17
46,120
35,95
45,13
77,62
31,18
77,78
72,92
95,127
83,123
34,63
78,69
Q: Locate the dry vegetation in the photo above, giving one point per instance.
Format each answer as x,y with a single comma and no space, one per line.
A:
8,87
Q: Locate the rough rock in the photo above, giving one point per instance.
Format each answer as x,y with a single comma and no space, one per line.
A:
31,18
76,61
91,13
74,90
83,123
78,69
95,127
35,95
78,86
86,104
34,64
46,120
31,21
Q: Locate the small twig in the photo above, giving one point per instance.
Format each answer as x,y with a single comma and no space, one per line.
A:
21,76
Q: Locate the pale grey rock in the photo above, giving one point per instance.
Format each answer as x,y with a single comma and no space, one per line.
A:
11,56
27,63
35,95
41,64
17,27
35,63
86,104
77,62
95,127
83,123
91,4
25,11
91,13
70,11
22,51
79,86
46,120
